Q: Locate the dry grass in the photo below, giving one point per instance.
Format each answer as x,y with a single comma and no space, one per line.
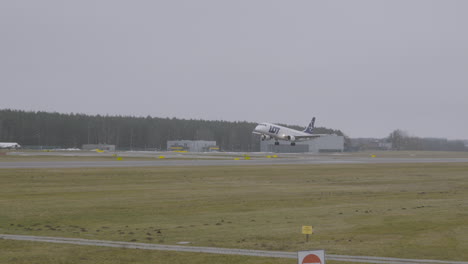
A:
393,210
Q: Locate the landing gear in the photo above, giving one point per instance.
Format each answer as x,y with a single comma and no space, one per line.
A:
293,143
276,143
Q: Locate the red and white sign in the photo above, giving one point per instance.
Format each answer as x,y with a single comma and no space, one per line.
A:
311,257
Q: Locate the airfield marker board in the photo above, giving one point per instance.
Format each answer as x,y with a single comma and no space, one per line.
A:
311,257
307,230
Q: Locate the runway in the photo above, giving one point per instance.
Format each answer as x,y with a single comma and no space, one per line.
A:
222,162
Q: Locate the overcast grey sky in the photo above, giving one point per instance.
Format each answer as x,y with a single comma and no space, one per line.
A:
365,67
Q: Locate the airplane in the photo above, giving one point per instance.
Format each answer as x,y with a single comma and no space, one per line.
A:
9,145
269,131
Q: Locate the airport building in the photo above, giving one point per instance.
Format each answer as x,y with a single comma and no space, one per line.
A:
330,143
192,145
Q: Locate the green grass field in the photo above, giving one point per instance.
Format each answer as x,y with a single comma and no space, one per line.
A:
407,154
104,157
54,158
388,210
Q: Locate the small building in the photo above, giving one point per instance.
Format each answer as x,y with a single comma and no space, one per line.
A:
329,143
98,146
192,145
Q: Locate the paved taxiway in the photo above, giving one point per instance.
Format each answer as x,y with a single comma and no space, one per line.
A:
226,251
220,162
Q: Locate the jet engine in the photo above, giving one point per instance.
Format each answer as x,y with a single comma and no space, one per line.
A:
293,140
266,137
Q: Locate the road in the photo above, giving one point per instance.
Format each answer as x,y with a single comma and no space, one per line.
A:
225,251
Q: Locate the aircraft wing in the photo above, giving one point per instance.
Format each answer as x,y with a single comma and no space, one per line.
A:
311,136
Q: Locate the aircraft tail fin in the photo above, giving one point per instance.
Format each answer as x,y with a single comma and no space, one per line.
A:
310,128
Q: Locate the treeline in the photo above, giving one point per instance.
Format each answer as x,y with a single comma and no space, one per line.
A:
126,132
400,140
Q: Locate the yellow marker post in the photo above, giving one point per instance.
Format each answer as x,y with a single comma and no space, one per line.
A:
275,156
236,159
269,156
373,156
119,158
307,230
162,157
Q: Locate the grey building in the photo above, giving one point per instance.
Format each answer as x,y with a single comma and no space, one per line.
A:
192,145
331,143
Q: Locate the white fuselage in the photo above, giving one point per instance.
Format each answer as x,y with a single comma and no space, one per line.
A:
9,145
279,132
